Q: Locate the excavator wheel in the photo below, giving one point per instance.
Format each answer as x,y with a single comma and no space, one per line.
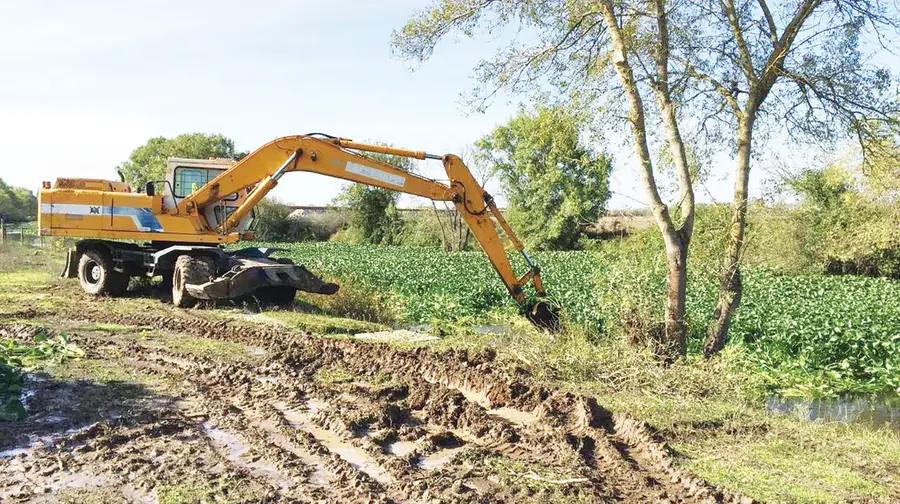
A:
544,315
189,270
97,276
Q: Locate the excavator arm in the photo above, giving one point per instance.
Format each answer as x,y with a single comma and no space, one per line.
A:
338,157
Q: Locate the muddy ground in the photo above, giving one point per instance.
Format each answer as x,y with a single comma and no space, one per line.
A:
183,406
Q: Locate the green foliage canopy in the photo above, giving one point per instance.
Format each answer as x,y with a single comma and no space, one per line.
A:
17,204
148,162
848,222
554,183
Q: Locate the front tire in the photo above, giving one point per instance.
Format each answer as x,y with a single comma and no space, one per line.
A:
189,270
97,276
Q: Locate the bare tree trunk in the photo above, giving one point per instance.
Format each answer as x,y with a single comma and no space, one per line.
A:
673,341
730,285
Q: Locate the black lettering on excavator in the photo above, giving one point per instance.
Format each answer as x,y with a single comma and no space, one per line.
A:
95,210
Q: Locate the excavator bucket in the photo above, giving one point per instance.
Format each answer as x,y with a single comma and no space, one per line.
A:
248,275
544,315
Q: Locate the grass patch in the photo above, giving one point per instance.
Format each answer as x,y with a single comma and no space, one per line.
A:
226,490
14,257
331,375
31,279
99,370
801,462
547,485
353,301
207,348
324,324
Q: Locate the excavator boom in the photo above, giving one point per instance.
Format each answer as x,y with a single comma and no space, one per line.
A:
191,220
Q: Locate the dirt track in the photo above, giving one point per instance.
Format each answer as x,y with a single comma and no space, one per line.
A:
294,418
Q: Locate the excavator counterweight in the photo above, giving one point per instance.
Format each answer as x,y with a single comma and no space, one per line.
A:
184,220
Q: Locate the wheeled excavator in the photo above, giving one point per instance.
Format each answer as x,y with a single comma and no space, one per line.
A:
178,228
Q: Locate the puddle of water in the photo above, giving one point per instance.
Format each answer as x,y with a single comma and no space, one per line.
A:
490,329
235,446
28,391
400,448
846,410
438,459
316,404
15,451
51,419
356,457
513,416
236,449
41,442
256,351
397,336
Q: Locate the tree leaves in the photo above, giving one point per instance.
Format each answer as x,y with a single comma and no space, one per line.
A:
17,204
553,182
147,163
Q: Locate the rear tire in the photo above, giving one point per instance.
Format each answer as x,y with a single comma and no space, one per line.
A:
189,270
97,276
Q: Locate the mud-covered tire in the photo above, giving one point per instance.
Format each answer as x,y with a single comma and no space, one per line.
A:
97,276
278,295
189,270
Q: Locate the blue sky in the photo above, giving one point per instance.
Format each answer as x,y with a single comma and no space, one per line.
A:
84,83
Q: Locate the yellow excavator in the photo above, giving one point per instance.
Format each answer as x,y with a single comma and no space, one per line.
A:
177,227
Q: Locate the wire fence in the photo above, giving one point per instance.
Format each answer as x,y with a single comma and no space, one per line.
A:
25,233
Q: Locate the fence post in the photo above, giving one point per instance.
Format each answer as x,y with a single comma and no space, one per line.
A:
2,232
22,234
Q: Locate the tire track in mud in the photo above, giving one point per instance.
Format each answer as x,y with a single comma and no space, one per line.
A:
411,435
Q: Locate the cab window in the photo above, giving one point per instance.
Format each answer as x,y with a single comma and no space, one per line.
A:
188,180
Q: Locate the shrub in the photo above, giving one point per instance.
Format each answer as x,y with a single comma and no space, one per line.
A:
274,223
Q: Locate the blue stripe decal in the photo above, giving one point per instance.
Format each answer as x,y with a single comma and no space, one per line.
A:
143,217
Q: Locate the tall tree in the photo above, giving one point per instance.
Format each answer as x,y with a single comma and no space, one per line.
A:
147,163
582,49
17,204
553,182
792,67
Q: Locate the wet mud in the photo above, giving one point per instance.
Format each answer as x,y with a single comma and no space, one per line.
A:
408,425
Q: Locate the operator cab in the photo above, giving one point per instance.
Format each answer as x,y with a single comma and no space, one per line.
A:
185,176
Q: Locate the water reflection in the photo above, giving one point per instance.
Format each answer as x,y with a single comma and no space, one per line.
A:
876,413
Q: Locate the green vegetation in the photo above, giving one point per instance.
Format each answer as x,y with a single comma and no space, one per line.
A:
848,222
274,223
807,335
17,357
554,183
373,217
17,204
333,374
147,163
225,490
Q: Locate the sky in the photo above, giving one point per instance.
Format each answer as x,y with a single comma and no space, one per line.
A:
82,84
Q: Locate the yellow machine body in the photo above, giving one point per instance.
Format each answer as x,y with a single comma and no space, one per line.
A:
190,207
